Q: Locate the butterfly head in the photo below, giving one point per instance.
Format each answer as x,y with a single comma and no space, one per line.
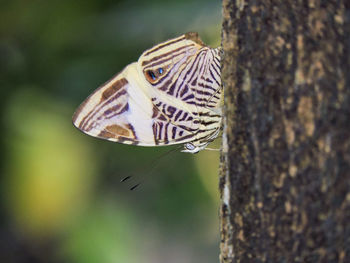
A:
194,147
190,148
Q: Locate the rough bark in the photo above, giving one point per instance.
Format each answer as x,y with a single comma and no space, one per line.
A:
285,177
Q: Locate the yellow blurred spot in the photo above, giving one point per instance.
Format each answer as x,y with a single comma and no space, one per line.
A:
49,166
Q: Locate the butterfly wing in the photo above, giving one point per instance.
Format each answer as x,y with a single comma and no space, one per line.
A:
183,75
160,100
190,72
121,111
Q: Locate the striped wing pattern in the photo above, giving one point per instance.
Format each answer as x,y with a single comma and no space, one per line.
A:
171,95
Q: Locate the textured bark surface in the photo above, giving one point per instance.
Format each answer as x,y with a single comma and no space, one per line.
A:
285,177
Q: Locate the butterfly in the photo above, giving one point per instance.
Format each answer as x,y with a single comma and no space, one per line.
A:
171,95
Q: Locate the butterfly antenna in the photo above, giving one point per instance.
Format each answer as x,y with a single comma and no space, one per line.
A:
156,160
134,187
150,167
125,178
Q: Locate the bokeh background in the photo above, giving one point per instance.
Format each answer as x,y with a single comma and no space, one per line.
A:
61,195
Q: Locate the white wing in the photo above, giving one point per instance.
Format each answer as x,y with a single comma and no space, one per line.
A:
170,96
121,111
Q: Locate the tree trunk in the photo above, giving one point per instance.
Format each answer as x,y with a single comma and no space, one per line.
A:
285,173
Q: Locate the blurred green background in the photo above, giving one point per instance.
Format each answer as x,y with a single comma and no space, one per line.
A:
61,196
